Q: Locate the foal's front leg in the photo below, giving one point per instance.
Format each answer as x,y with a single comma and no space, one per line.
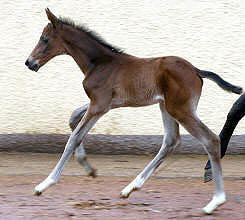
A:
74,141
80,153
81,157
77,116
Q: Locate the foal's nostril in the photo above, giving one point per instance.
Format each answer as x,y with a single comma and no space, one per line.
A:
27,63
35,66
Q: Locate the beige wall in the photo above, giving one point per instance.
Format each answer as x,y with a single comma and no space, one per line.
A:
210,34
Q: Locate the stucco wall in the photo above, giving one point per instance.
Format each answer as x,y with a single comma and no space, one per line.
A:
210,34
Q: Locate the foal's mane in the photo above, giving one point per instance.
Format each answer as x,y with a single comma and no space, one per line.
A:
92,34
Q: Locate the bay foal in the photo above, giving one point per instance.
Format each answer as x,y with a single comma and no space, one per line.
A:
115,79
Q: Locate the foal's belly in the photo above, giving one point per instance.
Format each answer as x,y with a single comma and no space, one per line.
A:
136,101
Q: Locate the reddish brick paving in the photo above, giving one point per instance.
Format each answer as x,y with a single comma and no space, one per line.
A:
79,197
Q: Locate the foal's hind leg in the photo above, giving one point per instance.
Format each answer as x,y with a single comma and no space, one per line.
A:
236,113
170,141
211,144
80,153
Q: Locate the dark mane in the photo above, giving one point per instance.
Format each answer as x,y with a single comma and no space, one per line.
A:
90,33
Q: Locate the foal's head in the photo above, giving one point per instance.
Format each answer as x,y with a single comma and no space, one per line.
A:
49,45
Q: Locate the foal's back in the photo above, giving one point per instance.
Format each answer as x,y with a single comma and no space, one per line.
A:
145,81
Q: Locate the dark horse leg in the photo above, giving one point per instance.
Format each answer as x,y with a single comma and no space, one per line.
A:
236,113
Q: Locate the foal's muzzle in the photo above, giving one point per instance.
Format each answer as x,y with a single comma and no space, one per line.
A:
32,64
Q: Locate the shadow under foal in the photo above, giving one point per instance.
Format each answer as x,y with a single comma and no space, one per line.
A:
115,79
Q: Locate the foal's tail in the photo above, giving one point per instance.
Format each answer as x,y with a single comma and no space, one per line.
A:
222,83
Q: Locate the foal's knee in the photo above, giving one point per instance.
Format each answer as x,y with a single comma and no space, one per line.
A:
73,120
72,124
76,117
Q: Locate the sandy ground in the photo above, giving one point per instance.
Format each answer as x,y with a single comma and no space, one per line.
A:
175,191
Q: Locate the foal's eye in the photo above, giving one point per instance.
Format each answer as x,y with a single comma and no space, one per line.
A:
45,40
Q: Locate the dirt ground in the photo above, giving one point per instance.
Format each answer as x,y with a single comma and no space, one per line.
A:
176,191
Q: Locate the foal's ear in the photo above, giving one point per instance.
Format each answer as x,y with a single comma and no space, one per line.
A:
54,20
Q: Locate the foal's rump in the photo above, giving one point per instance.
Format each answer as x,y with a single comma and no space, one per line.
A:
185,67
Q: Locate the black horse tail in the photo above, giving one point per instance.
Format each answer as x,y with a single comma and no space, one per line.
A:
222,83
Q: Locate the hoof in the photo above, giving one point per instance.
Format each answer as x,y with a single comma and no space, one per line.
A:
125,193
208,176
216,202
37,193
209,210
124,196
93,173
206,212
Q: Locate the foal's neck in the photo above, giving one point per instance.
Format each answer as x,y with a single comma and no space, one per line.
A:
87,52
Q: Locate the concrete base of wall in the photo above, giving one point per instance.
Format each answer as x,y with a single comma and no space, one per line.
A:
107,144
